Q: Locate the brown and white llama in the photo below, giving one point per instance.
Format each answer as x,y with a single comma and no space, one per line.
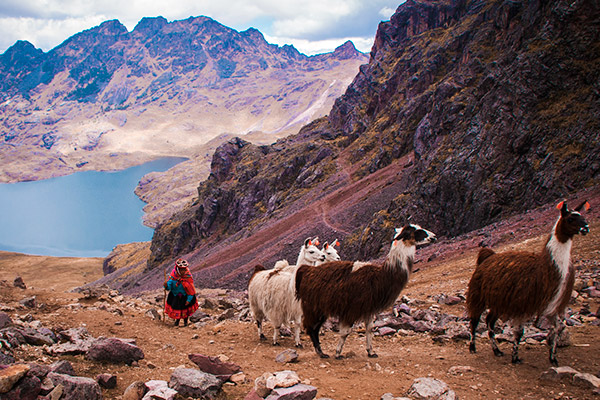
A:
271,293
356,291
518,286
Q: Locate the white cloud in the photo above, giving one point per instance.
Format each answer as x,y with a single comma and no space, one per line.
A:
387,12
43,33
308,24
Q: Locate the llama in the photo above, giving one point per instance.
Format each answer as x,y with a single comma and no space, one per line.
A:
271,292
356,291
331,253
520,285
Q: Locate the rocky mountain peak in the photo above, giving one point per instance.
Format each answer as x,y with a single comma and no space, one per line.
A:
290,51
415,17
253,34
346,51
20,54
149,26
112,28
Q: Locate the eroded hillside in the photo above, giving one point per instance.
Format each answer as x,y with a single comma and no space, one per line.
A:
468,112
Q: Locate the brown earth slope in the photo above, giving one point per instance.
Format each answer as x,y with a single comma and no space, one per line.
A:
443,268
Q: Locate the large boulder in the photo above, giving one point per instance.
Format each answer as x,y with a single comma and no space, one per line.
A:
27,388
430,389
75,341
114,350
11,375
135,391
296,392
5,320
76,387
195,383
62,367
35,337
214,366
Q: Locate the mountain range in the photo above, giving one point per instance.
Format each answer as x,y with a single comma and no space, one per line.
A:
107,98
468,112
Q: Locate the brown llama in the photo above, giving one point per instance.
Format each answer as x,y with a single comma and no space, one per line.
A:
518,286
356,291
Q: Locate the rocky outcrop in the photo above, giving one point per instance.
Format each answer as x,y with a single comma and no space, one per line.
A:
247,183
493,100
494,105
114,350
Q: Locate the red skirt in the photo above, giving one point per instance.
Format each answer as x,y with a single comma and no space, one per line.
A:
176,308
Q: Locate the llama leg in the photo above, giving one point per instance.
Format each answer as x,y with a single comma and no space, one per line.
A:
297,334
552,338
491,323
261,335
369,337
275,330
474,323
344,331
515,351
313,332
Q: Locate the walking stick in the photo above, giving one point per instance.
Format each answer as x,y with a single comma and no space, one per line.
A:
165,299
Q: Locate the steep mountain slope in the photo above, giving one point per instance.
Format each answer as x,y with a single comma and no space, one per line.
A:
107,98
467,113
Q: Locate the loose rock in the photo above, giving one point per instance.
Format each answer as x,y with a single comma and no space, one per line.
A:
430,389
287,356
195,383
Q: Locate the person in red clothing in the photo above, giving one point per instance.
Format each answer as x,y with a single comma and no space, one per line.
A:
181,301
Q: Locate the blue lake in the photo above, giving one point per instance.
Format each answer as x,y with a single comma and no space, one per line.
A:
84,214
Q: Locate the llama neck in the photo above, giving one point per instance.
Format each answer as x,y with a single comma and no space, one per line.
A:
400,258
302,258
560,258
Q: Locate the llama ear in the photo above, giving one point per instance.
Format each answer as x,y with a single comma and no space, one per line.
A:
584,205
420,235
560,205
326,246
336,243
307,242
405,233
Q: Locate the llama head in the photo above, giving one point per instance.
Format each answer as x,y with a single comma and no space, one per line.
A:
572,222
310,253
413,235
331,253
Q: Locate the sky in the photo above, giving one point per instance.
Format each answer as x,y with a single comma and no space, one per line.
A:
312,26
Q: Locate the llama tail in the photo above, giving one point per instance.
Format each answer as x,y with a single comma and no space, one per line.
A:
281,264
483,254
